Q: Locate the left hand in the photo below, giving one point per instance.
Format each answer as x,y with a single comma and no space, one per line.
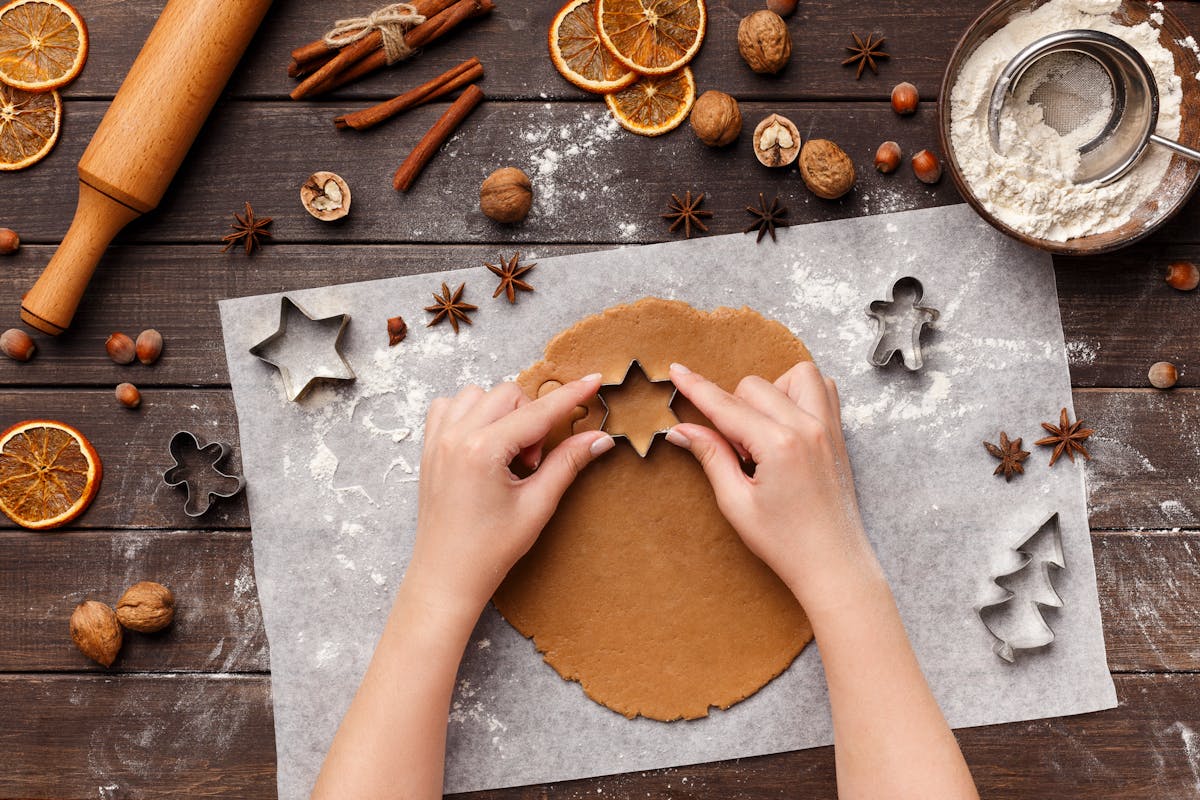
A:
475,518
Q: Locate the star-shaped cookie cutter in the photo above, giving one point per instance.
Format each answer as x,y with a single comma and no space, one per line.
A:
625,377
907,344
181,473
287,306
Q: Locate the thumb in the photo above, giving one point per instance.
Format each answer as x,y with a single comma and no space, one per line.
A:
715,454
564,463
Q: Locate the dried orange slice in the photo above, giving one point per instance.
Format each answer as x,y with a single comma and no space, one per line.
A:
654,105
43,44
653,37
49,473
580,56
29,126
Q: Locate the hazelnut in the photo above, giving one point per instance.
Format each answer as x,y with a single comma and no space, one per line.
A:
1163,375
146,607
120,348
1183,276
96,632
17,344
887,157
826,169
905,99
9,241
149,346
784,8
506,195
764,42
927,167
397,329
776,141
716,118
128,395
325,196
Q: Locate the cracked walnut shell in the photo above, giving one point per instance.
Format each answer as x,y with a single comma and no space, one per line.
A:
826,169
716,118
96,632
146,607
776,141
764,42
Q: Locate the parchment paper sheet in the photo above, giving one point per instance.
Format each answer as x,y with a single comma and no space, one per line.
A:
332,487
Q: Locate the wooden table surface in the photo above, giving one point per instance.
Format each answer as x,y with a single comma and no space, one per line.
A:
188,713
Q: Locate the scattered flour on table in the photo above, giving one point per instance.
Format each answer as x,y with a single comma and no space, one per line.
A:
1191,746
1030,188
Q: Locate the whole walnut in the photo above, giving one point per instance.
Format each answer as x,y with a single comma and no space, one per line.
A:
96,632
506,195
826,169
764,42
146,607
716,118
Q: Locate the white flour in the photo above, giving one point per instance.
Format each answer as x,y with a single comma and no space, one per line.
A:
1030,188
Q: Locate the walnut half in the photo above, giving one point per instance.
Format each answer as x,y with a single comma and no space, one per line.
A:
776,141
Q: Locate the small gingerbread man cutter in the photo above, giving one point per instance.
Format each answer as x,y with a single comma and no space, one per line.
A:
899,322
196,470
640,447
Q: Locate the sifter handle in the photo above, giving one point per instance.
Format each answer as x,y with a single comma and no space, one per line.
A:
1171,144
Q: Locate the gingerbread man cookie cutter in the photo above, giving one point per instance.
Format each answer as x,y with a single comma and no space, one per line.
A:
899,324
187,453
638,448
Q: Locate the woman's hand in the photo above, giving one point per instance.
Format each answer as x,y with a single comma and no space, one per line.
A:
475,518
798,512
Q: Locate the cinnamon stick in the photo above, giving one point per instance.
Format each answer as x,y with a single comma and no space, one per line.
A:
370,57
468,71
442,130
299,69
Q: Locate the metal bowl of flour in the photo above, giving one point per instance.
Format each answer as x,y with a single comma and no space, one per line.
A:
1182,175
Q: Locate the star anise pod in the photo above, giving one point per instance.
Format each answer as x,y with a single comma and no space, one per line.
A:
1010,454
686,212
510,277
865,54
450,306
1066,437
247,230
766,218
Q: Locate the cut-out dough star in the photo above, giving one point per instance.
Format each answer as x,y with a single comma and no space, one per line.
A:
638,408
305,350
899,321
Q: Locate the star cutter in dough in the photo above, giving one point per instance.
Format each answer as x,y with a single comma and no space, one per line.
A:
624,379
899,325
340,371
186,452
1033,632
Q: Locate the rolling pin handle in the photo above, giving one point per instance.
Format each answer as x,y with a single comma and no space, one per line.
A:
50,305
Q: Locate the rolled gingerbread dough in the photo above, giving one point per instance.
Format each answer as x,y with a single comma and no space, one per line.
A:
638,588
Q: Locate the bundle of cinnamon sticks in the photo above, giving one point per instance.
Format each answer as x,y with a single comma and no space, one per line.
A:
324,68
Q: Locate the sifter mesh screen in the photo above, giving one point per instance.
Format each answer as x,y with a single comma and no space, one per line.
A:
1073,89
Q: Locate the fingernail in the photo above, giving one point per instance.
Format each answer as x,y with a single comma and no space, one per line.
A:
602,445
681,369
678,439
595,376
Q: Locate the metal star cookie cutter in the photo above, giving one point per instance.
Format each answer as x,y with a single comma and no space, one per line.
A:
1032,632
261,350
184,472
624,378
907,343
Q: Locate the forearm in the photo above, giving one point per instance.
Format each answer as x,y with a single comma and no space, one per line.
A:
391,743
890,738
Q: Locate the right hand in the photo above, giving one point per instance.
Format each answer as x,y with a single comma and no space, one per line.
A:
798,513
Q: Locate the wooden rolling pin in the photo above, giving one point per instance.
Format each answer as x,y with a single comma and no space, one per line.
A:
142,140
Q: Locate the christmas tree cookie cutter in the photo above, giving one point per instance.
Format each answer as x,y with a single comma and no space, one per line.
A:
317,356
1016,621
641,444
899,323
192,461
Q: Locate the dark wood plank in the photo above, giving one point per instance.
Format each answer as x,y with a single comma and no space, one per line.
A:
217,628
1119,316
1142,476
159,737
1149,589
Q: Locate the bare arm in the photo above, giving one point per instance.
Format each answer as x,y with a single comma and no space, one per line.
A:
475,519
799,514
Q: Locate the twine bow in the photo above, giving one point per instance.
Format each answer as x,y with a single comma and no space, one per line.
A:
392,21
